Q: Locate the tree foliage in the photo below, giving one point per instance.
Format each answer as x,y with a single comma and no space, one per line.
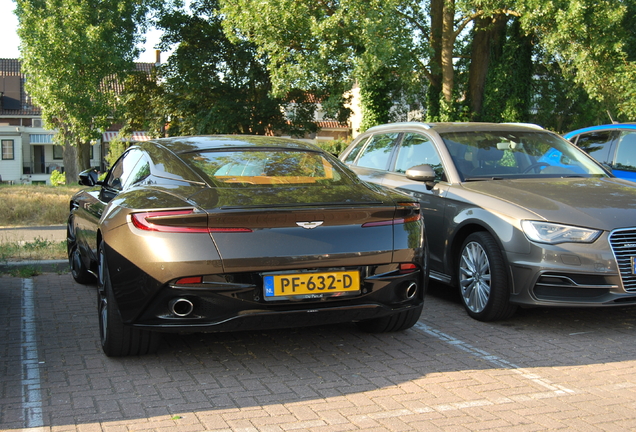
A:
260,66
213,84
74,53
326,46
142,104
589,39
475,59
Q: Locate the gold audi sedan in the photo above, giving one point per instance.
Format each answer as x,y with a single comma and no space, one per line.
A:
515,215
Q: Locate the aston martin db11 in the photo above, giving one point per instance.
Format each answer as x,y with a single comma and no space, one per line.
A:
225,233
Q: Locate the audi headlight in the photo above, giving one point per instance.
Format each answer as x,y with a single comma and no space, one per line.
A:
553,233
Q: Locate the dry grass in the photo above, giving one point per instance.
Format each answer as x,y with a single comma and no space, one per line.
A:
38,249
34,205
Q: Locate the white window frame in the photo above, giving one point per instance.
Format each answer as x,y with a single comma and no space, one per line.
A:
6,154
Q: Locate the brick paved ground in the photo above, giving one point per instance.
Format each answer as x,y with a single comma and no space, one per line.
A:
545,369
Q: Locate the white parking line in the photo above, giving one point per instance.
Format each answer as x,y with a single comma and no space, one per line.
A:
496,361
31,384
458,406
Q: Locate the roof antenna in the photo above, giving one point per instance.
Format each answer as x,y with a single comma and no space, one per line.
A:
610,116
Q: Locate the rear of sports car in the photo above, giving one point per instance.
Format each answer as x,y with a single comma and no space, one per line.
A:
270,249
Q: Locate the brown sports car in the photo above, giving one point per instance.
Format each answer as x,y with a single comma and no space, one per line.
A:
222,233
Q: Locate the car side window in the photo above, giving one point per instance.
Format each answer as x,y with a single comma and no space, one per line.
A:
417,149
351,157
377,153
597,144
123,169
626,152
139,172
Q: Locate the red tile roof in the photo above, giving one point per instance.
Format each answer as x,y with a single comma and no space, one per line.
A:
332,125
135,136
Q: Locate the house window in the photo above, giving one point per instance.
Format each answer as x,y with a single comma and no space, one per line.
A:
7,150
58,152
41,138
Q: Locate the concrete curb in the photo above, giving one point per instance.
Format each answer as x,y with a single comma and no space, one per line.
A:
44,266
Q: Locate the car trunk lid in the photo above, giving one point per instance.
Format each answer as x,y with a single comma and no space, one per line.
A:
293,227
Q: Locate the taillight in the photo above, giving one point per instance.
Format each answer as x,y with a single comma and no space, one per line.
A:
407,268
178,221
174,221
378,223
412,211
190,280
406,212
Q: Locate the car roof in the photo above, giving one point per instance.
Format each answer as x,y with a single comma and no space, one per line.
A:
443,127
613,126
187,144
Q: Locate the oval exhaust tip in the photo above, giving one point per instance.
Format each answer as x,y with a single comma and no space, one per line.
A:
181,307
410,291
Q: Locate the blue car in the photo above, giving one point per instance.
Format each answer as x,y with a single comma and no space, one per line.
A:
613,145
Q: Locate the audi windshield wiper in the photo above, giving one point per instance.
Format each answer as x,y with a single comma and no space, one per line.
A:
470,179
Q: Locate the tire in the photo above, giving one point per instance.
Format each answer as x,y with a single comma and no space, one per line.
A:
79,271
393,323
482,279
118,339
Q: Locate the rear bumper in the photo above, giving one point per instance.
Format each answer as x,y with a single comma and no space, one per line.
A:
236,301
268,319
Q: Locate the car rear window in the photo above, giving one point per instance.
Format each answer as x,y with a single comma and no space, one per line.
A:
254,168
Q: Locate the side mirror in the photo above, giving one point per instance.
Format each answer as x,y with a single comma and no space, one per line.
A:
88,178
422,173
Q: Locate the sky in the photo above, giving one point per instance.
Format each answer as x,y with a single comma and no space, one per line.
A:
9,41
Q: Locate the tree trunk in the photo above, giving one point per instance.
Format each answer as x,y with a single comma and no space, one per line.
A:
70,167
487,41
435,84
77,158
448,45
83,155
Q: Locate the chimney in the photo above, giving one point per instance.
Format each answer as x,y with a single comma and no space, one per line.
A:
158,57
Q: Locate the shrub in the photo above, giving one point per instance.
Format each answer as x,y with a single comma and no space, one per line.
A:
57,178
335,147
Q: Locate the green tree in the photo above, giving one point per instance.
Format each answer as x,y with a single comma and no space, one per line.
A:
591,42
559,103
507,95
74,54
142,104
452,47
216,85
327,46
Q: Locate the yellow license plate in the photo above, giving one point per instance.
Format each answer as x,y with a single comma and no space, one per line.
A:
311,284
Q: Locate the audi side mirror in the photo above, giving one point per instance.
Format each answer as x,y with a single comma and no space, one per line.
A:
422,173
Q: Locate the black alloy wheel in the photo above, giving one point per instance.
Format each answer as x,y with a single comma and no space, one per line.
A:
79,271
118,339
